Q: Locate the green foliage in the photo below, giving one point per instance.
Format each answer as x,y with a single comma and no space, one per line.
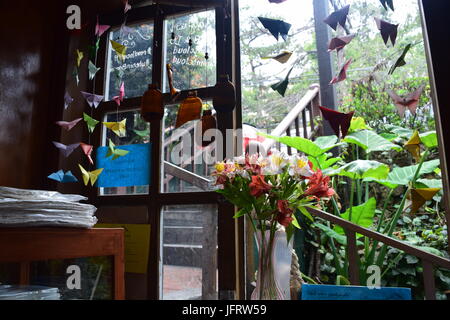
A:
361,215
370,141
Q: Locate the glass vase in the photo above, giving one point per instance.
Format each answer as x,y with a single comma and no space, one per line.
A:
274,266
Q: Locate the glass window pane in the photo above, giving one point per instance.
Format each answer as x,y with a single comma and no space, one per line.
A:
96,277
137,132
189,247
191,69
136,70
187,165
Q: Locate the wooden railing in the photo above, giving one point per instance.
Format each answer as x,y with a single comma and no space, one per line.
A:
429,260
299,121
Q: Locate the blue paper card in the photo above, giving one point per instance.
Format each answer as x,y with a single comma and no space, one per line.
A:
328,292
133,169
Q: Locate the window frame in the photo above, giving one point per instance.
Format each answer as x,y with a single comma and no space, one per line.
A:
230,276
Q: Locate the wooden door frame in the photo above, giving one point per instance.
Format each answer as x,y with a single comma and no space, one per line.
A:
436,36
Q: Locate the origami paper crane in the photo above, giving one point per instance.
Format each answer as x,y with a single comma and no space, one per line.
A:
410,101
68,125
119,49
338,17
276,27
342,74
119,128
67,100
87,149
413,146
401,60
100,28
281,86
91,176
339,43
387,3
339,122
66,150
114,152
90,122
127,6
92,70
93,100
388,31
62,177
80,56
420,196
121,95
283,57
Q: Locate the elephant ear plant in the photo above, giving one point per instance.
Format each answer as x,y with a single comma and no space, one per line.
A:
359,172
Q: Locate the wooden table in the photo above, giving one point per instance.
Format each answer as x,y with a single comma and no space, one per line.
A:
23,245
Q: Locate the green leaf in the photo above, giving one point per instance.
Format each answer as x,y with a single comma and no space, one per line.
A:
326,142
403,175
431,250
411,259
361,215
429,139
305,213
389,136
240,213
323,162
402,132
295,222
305,145
331,233
370,141
358,123
361,169
342,281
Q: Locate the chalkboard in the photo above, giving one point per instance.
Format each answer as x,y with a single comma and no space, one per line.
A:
133,169
329,292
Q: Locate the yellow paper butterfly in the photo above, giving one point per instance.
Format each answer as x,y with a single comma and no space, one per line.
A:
119,49
80,56
117,127
90,175
420,196
413,146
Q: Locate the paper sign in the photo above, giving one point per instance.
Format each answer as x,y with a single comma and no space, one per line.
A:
327,292
133,169
137,242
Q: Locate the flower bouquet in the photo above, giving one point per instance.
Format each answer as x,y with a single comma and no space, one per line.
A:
270,191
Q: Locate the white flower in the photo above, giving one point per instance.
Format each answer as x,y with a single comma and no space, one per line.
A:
299,166
277,161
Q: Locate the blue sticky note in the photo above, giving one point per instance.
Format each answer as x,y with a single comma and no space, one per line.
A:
328,292
133,169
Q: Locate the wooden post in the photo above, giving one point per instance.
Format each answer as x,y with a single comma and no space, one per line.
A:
352,256
428,280
209,253
325,59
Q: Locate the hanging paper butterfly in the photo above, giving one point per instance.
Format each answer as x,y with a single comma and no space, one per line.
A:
87,149
388,31
63,177
66,150
121,95
283,57
276,27
100,28
92,70
281,86
339,122
115,152
413,146
401,60
410,101
68,125
67,100
420,196
338,17
93,100
339,43
91,176
387,3
120,50
119,128
90,122
342,74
